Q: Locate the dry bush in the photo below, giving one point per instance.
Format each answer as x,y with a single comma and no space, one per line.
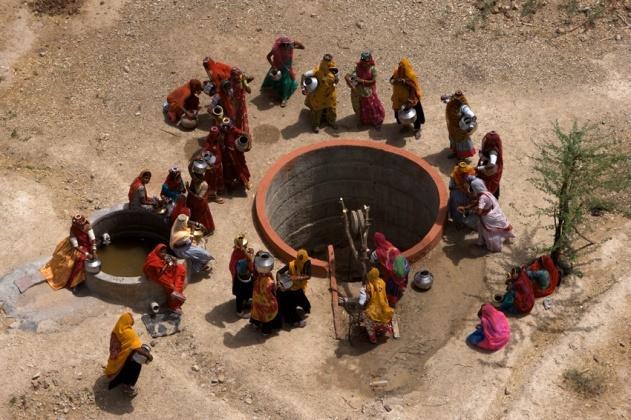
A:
588,383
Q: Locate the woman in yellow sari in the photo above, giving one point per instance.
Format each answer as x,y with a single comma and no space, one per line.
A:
122,366
377,317
323,100
407,93
66,267
264,314
293,302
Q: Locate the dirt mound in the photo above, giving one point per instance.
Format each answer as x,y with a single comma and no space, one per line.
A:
56,7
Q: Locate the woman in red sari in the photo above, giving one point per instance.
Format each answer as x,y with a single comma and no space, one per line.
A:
363,84
184,101
240,251
237,109
214,174
387,255
66,267
491,162
197,201
137,195
235,168
216,71
164,269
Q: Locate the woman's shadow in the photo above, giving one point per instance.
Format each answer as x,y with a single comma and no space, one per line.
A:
112,401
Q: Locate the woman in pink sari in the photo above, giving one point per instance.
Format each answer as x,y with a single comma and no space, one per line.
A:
390,258
493,226
363,84
493,331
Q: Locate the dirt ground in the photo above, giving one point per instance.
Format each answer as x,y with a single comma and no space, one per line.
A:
80,116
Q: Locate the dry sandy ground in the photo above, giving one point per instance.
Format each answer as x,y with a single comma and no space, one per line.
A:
80,115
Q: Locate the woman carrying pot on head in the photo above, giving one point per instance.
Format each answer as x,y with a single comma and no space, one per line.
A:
363,84
264,314
164,269
281,79
127,354
197,198
406,95
182,244
137,195
67,266
491,163
233,99
184,103
377,315
213,155
293,302
321,100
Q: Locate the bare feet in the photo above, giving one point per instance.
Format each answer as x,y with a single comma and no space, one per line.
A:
283,103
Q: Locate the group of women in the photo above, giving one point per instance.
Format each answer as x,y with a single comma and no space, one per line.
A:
261,298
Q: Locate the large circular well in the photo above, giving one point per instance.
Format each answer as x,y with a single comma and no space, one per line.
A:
297,203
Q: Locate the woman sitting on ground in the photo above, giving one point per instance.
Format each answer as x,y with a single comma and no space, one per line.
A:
493,226
66,267
519,298
121,366
493,331
138,199
164,269
377,317
181,244
183,102
293,301
173,185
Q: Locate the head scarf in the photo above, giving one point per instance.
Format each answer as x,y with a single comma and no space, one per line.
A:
123,341
283,57
492,141
195,85
495,328
460,173
378,308
77,229
172,180
179,230
301,258
137,183
363,67
386,252
478,186
405,71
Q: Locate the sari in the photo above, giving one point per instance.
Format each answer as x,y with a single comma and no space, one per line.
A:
546,263
369,107
264,304
237,255
183,98
235,168
520,296
179,208
493,332
171,277
377,317
123,341
239,108
324,97
458,190
282,58
219,71
493,226
491,142
197,201
403,94
66,267
386,255
289,300
214,175
137,195
173,186
459,140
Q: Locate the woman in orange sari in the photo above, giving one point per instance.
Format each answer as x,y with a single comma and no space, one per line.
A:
183,101
407,93
121,365
164,269
66,267
265,313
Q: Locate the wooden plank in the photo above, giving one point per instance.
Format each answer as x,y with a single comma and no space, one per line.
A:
335,307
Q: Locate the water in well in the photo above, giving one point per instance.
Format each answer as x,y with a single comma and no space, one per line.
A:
124,257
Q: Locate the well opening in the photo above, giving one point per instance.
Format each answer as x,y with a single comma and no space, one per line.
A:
298,203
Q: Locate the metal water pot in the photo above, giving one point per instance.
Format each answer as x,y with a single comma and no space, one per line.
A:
310,84
468,121
275,74
407,116
199,167
93,266
264,262
188,123
423,280
243,143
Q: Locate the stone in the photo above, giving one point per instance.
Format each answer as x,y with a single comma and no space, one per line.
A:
126,69
37,375
248,401
195,368
387,408
618,37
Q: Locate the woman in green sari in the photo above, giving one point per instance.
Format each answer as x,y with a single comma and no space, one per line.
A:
280,59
